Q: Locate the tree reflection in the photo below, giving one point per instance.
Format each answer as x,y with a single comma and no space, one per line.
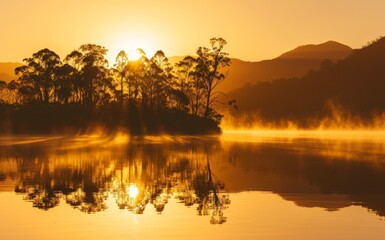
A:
210,200
41,198
136,178
88,203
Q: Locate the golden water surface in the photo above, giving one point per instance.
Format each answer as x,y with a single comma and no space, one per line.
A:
243,184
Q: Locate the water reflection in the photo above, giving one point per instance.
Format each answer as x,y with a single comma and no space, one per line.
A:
137,175
331,173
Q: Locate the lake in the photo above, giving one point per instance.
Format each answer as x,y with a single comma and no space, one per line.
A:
242,184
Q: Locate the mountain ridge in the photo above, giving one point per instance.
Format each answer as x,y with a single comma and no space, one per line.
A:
328,49
287,65
352,87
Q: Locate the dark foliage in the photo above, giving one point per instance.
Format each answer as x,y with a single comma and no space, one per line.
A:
81,93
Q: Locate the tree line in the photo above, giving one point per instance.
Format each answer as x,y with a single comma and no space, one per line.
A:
152,84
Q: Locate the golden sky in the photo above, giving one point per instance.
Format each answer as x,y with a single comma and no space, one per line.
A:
254,29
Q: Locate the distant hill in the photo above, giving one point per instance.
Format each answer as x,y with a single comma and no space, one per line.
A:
5,77
294,63
7,70
356,84
329,50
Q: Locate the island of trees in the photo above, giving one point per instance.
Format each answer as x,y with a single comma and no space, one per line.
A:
81,93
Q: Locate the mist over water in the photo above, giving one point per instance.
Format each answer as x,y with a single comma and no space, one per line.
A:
336,118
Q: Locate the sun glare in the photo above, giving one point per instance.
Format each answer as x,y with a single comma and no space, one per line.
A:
133,54
133,191
130,44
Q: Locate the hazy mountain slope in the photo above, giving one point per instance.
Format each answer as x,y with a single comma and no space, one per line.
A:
294,63
357,83
7,70
6,77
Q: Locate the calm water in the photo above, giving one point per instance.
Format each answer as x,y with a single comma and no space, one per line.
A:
245,185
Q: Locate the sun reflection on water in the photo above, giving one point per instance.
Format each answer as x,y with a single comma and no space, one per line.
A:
133,191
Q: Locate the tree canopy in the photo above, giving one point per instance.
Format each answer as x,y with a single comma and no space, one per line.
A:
151,84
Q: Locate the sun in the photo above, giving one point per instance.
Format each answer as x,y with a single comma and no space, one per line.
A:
133,54
133,191
129,44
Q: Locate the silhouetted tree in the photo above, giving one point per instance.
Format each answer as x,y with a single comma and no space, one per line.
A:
65,84
12,93
3,86
159,98
142,73
160,73
93,80
37,76
190,83
121,72
74,59
178,99
210,62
